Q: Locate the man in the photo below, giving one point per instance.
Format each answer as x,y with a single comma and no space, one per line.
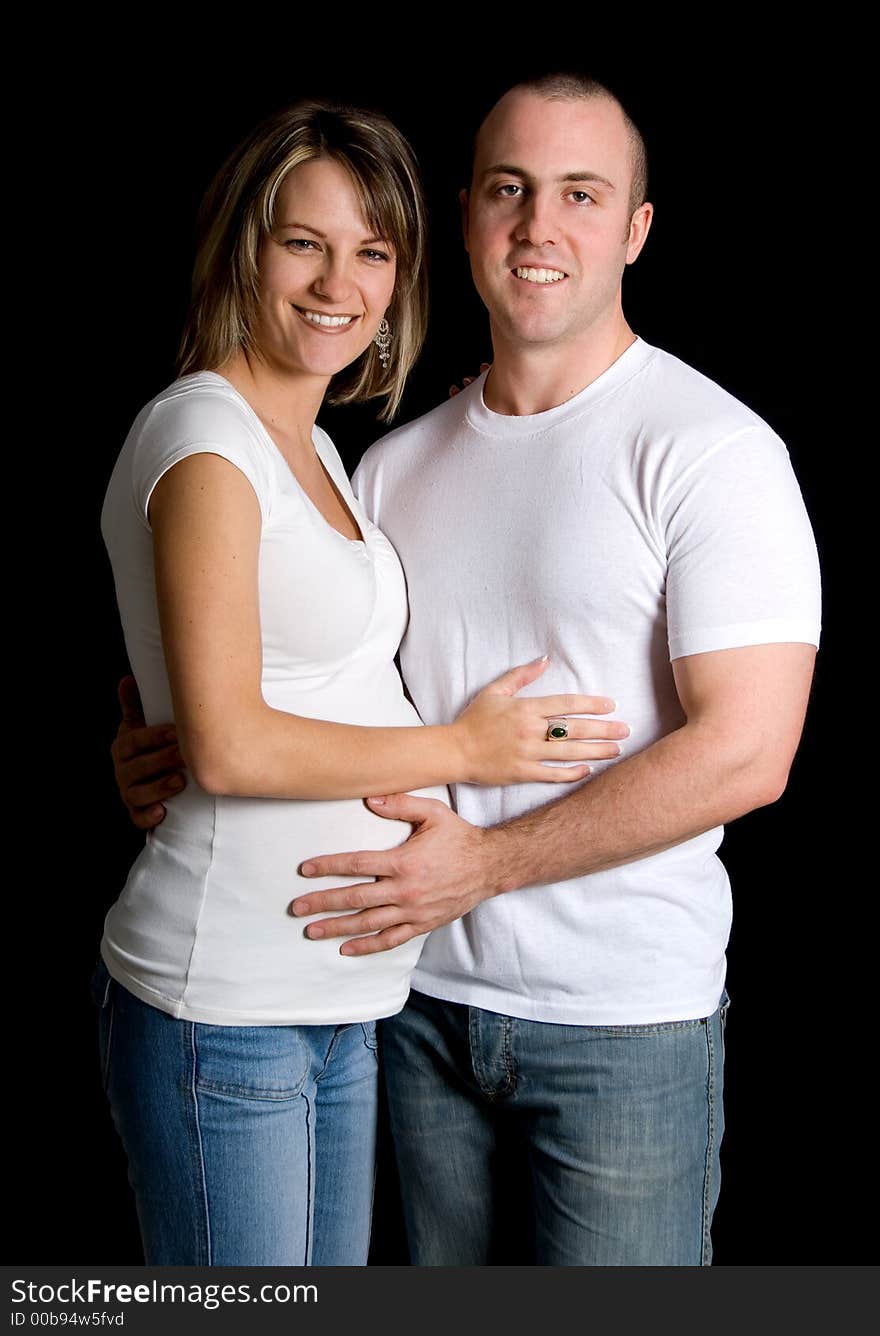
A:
593,498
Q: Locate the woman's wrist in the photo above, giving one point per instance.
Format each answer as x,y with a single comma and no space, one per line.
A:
454,747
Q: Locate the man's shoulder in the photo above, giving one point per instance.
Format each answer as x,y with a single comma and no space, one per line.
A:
678,397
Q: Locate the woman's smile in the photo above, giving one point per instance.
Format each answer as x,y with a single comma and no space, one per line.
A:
323,321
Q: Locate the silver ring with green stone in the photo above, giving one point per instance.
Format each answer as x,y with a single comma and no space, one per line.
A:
557,730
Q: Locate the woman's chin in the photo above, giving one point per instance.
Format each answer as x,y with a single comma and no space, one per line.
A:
329,362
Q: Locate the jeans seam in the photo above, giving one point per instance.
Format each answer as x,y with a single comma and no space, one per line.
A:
338,1032
310,1181
474,1046
198,1147
706,1237
507,1055
105,1075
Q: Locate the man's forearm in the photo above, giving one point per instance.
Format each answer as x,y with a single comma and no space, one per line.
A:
677,788
745,711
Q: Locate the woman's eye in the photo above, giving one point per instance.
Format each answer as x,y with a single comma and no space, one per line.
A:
299,243
376,255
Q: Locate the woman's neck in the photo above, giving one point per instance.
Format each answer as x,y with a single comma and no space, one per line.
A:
286,404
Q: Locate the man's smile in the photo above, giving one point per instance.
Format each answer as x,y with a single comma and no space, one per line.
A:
530,275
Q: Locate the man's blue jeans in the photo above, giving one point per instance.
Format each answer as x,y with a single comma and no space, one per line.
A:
610,1135
247,1145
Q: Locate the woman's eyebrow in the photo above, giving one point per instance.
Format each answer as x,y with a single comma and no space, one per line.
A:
304,227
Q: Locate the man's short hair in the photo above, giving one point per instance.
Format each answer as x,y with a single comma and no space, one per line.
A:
570,85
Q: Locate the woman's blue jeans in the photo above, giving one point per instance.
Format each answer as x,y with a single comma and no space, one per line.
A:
246,1145
602,1141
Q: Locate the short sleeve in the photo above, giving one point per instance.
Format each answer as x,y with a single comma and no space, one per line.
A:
742,562
200,423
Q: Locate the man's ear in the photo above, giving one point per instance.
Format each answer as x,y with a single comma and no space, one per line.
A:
463,201
639,227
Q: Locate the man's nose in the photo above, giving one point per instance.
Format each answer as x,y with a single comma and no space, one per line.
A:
536,224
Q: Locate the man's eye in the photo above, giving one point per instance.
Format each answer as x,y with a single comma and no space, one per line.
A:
508,191
581,197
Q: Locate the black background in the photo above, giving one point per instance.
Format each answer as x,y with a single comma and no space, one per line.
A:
741,277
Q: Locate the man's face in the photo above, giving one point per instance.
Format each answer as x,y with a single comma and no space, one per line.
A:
547,223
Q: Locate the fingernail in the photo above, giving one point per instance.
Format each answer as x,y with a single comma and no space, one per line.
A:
346,950
314,931
157,813
307,870
376,802
300,907
544,658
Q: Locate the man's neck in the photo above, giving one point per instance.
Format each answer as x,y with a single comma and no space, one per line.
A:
530,378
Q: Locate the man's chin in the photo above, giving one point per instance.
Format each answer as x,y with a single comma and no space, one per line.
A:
533,332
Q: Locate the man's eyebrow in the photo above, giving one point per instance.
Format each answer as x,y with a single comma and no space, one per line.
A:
589,176
508,169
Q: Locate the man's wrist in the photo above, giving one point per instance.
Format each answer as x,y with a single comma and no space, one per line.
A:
498,862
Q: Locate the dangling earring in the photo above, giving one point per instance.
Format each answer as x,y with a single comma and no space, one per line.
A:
382,340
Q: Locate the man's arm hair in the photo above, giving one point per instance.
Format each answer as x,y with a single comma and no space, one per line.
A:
744,710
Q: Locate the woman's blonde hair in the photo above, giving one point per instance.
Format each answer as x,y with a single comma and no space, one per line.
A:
237,213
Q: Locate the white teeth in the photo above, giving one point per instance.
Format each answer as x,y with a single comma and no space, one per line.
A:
317,319
540,275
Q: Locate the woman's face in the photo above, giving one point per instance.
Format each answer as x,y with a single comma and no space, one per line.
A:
325,278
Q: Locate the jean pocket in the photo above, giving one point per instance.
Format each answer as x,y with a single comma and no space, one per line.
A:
643,1031
103,988
260,1062
371,1039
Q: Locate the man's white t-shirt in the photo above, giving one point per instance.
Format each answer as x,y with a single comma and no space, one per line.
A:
651,516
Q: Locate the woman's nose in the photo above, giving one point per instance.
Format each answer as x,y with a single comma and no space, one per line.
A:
333,283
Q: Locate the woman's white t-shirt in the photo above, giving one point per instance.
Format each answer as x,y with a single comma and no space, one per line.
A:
201,929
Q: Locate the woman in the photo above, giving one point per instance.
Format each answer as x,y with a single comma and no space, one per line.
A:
262,610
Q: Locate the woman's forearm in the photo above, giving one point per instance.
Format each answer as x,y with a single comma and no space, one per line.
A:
267,753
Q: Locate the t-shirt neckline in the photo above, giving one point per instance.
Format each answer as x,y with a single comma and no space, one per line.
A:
531,424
